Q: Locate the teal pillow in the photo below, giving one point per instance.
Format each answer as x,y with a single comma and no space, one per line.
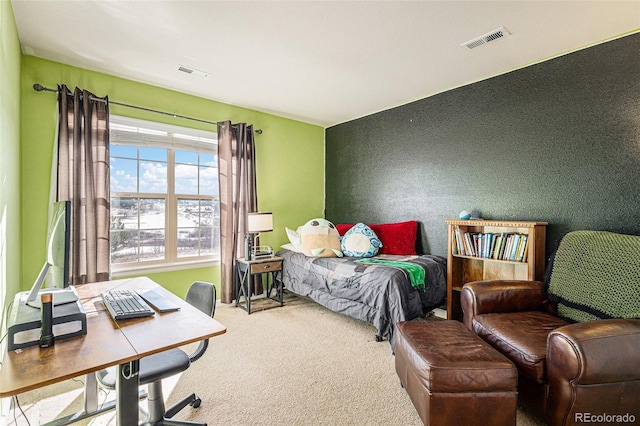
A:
360,241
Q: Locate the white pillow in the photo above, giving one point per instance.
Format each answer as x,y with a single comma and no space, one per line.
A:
294,239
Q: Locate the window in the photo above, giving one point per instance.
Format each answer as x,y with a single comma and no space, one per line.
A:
165,208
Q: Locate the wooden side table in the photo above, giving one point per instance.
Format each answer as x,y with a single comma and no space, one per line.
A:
246,269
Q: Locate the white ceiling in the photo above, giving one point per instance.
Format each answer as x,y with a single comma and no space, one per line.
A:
322,62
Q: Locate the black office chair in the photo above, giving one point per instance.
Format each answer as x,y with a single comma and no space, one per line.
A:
156,367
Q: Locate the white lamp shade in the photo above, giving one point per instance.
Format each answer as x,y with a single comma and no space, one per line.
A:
259,222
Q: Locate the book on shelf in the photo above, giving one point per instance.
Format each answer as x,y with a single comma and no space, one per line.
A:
468,240
494,244
460,243
514,247
510,246
520,256
502,240
454,244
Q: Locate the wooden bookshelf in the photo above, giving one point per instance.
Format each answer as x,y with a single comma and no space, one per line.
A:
463,267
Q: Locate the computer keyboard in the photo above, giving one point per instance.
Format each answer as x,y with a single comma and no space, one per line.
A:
125,304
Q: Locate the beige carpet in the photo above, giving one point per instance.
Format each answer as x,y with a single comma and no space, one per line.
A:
298,365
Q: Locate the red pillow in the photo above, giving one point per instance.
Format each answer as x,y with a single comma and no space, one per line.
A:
342,228
397,238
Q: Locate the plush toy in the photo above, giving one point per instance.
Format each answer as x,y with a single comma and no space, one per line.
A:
474,215
319,238
360,241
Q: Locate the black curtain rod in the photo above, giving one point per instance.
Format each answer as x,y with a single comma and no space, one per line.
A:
40,88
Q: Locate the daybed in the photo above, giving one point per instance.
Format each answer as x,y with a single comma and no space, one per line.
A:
575,338
379,294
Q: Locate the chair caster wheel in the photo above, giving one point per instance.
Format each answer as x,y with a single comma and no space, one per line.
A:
196,403
379,338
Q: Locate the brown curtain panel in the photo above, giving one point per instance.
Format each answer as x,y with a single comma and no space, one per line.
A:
237,176
83,179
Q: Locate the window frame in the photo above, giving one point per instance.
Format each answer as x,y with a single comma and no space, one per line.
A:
187,139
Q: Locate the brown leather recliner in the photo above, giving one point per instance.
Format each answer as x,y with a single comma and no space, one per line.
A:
572,372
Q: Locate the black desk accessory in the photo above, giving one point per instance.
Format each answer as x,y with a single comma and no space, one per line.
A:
158,302
124,304
46,330
25,322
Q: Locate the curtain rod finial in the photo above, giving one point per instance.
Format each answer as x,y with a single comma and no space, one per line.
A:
40,88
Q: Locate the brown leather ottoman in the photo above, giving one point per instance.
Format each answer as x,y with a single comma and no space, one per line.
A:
453,377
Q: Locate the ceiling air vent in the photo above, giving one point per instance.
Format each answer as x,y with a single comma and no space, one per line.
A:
192,71
487,38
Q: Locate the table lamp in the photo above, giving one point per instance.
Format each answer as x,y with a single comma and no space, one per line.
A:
257,223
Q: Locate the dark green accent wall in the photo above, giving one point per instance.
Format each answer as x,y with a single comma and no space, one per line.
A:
558,141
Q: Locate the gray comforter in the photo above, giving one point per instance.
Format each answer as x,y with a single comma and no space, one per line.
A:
378,294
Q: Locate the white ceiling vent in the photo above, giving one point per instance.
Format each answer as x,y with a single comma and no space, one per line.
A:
487,38
192,71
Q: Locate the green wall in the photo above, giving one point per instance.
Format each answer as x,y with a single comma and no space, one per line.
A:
10,56
290,155
558,141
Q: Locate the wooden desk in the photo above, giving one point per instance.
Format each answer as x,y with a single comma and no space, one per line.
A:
108,343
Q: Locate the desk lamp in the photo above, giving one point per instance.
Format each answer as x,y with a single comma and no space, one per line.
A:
256,223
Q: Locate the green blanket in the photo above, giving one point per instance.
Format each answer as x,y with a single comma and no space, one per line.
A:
415,272
596,275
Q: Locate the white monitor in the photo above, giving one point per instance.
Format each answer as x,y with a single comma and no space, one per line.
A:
55,272
58,245
37,285
60,295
